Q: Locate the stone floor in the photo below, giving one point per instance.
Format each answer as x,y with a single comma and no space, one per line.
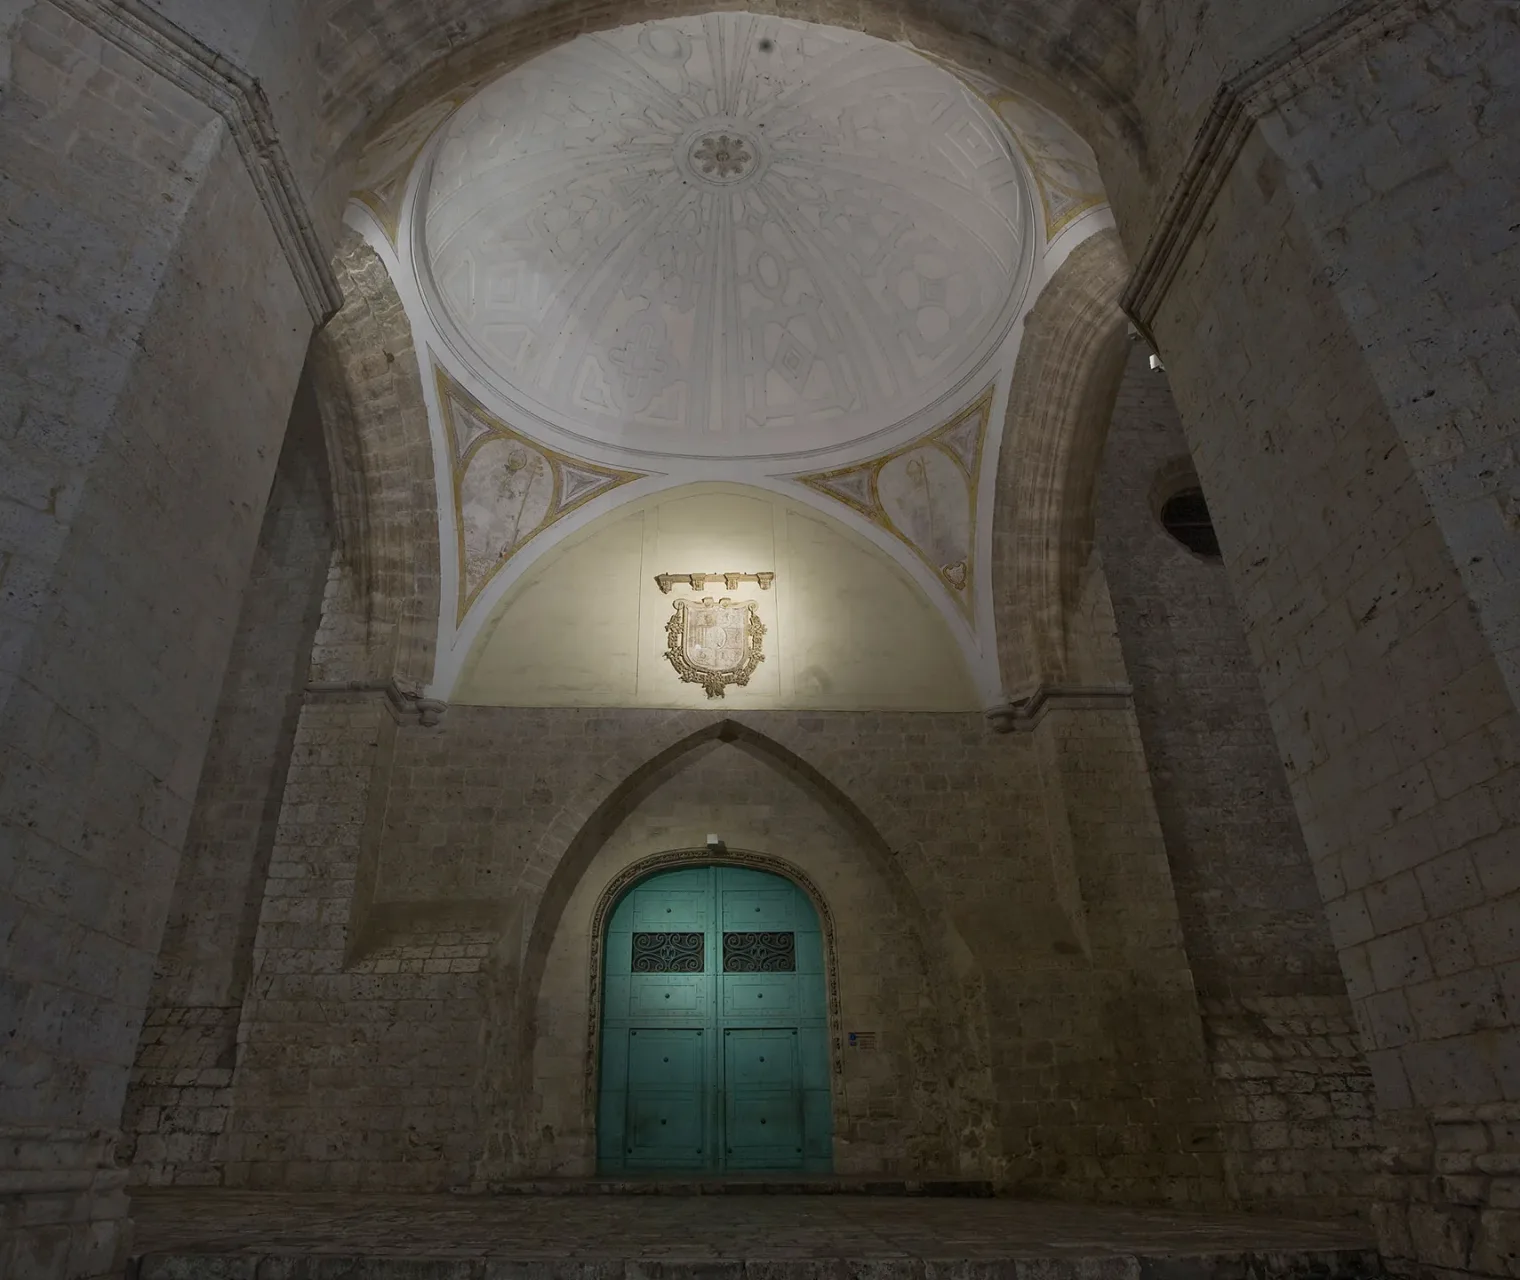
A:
233,1235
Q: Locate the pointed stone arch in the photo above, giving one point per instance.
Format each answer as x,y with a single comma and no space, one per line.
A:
621,782
583,823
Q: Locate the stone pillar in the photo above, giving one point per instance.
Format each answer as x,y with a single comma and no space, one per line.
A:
1331,285
181,1082
161,287
1293,1087
1145,1131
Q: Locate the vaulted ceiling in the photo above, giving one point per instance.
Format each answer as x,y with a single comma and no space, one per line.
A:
729,247
724,237
369,51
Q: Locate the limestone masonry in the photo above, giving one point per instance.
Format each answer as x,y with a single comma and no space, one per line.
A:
461,462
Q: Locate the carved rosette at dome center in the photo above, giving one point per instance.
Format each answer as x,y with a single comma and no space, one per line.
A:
722,156
726,237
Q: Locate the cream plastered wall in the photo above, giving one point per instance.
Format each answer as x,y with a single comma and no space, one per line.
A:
846,628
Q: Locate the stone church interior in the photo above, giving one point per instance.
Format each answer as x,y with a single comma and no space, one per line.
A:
796,641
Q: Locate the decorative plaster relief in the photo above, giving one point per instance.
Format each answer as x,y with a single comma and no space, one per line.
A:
715,643
724,236
388,160
924,494
697,581
507,488
1064,167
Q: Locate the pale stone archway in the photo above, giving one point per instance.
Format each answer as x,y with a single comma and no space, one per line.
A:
368,383
1058,414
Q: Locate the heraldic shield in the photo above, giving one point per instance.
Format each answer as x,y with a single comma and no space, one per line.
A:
715,643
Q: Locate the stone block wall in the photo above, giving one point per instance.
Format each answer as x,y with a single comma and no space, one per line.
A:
915,1100
1133,1058
1294,1089
1408,190
1366,509
1390,707
419,1013
179,1093
349,1076
146,375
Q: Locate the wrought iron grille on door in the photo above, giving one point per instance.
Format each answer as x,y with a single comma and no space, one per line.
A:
668,953
759,953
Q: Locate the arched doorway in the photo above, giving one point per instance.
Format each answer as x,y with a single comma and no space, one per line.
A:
714,1036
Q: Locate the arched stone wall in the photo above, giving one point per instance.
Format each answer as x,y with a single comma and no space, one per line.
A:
1027,863
382,615
1059,409
532,995
177,1102
1293,173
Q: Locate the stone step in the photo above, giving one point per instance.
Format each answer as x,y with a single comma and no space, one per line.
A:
1321,1265
753,1185
241,1235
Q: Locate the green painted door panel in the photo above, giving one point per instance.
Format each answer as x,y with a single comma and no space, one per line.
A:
817,1127
672,908
763,1115
667,1096
750,908
761,1060
681,996
751,996
714,1027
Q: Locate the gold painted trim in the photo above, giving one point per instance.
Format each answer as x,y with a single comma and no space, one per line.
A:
450,395
961,591
1086,202
390,218
994,101
390,223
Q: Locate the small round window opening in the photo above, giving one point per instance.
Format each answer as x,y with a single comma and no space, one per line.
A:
1185,516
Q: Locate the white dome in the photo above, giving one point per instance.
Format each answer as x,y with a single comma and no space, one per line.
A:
724,236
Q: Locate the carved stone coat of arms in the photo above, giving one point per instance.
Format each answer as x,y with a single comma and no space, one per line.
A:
715,643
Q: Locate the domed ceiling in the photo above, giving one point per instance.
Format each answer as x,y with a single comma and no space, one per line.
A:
725,237
726,249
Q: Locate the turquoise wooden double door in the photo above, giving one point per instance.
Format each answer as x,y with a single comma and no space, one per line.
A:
714,1028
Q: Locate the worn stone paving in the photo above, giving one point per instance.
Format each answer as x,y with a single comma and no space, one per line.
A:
712,1229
